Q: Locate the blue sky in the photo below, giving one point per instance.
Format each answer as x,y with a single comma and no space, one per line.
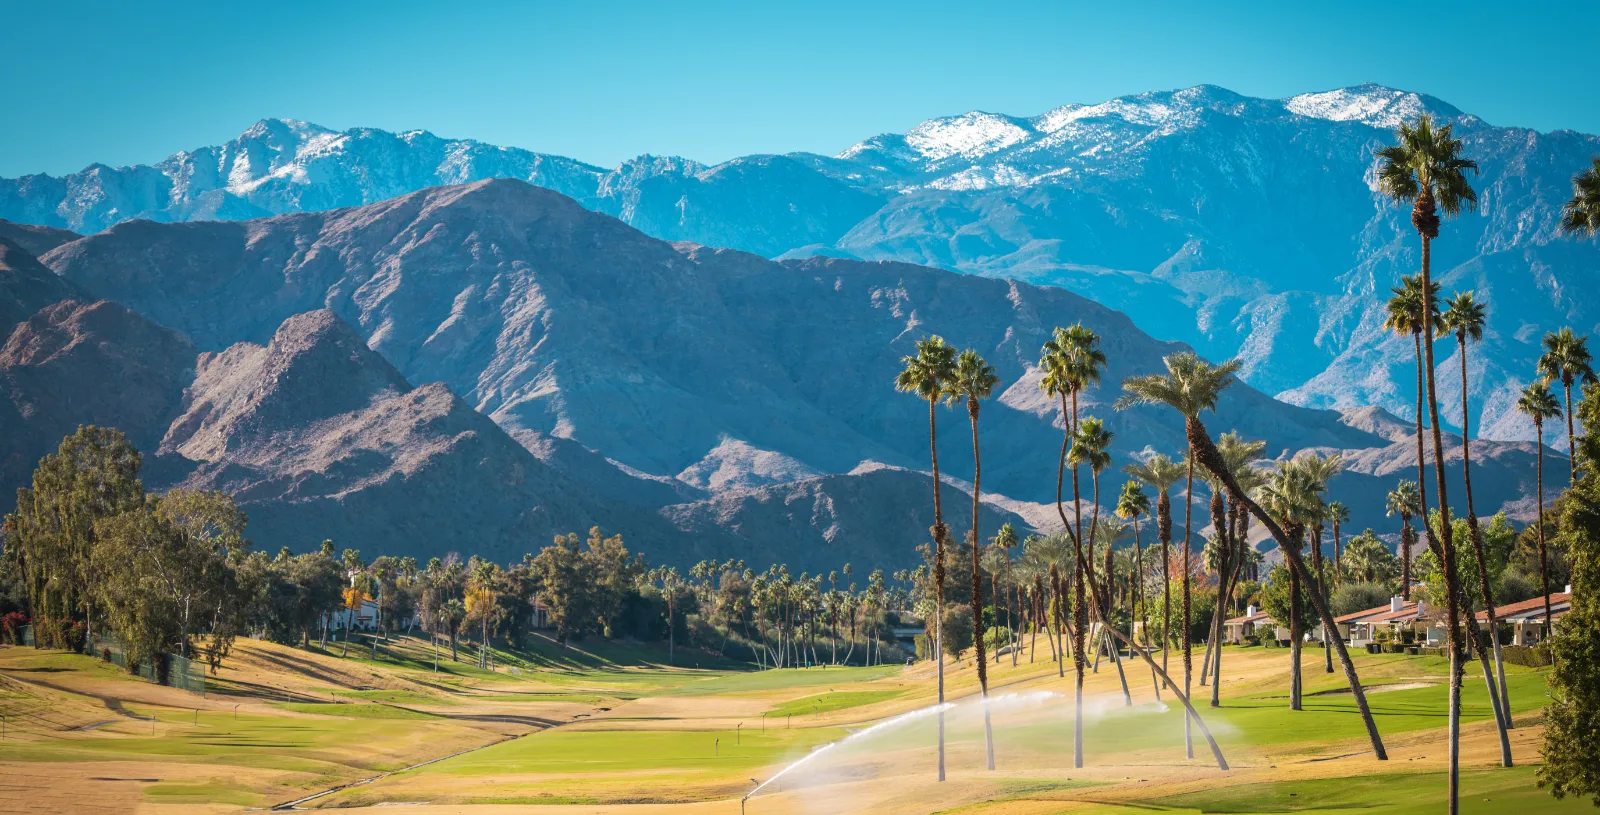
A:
125,83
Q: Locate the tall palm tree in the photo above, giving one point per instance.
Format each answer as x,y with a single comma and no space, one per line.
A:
925,374
1072,361
1566,358
1338,516
1191,386
1426,169
974,380
1581,215
1160,472
1538,403
1404,501
1464,317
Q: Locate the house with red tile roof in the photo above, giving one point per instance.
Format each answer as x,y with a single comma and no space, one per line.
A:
1527,618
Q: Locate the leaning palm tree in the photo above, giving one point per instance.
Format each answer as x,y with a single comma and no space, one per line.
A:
1566,358
1072,361
1404,501
1426,169
1160,472
1581,215
1464,317
1192,386
1539,404
925,375
974,380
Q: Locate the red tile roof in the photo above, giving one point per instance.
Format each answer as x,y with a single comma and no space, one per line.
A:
1535,604
1358,616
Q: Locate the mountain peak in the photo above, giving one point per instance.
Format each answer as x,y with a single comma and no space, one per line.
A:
1371,104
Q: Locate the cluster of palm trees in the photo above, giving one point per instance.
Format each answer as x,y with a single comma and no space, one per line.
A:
1425,169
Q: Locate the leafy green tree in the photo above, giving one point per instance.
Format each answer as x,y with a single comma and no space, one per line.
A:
92,476
1367,559
1355,596
958,632
1572,716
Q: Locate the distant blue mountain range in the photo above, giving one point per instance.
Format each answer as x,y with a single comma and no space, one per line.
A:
1241,226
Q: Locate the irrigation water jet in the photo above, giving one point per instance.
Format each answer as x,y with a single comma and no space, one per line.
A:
859,734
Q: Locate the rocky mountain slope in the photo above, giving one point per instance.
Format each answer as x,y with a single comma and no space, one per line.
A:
1238,225
658,375
317,436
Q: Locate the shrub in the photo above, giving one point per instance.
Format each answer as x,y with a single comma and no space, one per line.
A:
1528,656
1352,597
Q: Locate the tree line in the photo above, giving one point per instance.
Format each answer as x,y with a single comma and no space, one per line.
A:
89,555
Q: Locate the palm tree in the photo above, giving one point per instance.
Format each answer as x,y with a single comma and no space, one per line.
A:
1404,501
1539,404
1192,386
1072,361
1322,469
1566,358
1426,169
1464,317
1581,215
1041,555
973,381
1132,503
1338,516
1293,494
1161,472
925,375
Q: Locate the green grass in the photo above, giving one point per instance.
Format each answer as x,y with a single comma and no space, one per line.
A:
625,751
827,702
199,793
400,697
1483,791
779,680
371,711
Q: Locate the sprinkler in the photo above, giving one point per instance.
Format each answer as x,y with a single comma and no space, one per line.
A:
738,733
748,794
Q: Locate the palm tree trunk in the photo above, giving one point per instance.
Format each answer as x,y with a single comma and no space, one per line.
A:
977,588
1188,654
1572,453
938,576
1077,592
1166,582
1139,601
1451,576
1483,569
1211,459
1294,640
1544,563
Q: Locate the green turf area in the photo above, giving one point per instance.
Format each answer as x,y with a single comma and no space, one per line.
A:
372,711
827,702
1483,791
779,680
622,751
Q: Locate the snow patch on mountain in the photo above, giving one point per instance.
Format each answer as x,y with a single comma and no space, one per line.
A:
970,135
1368,104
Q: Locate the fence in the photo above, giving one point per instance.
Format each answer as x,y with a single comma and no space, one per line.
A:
164,669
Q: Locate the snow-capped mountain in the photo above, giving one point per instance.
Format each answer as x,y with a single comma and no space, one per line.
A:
1242,226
